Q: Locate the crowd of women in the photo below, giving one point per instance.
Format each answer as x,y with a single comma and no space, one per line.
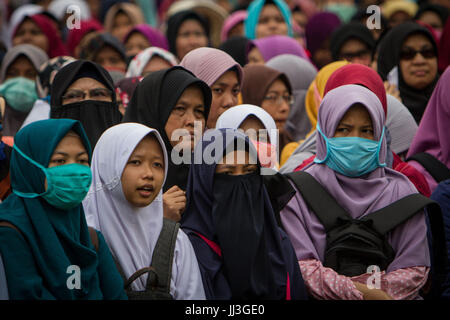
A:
225,149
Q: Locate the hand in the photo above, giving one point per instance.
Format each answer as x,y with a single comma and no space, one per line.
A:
392,90
174,203
371,294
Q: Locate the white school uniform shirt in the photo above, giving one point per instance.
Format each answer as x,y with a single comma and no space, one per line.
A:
131,233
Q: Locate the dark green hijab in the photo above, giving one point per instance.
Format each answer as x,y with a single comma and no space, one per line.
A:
56,238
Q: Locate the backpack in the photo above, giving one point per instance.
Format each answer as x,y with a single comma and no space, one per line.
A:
435,168
160,270
353,245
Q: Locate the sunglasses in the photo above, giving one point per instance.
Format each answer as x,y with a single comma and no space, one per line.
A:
411,54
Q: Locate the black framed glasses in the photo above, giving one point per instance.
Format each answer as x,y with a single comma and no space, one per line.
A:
410,54
75,95
276,99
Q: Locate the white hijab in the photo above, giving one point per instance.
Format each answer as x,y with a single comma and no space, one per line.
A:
131,233
233,118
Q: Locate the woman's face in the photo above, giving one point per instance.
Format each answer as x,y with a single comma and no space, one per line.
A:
237,163
255,57
110,59
191,35
225,93
121,26
136,43
277,103
188,114
433,19
156,63
29,33
355,51
254,129
143,175
418,70
21,67
86,89
271,22
356,122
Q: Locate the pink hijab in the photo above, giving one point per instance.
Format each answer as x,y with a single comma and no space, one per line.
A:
358,196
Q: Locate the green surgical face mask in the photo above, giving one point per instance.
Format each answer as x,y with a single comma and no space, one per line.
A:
67,185
19,93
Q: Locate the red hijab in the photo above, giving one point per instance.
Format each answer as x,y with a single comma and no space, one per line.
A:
356,73
55,45
76,35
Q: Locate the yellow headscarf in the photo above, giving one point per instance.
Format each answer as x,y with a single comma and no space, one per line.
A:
313,99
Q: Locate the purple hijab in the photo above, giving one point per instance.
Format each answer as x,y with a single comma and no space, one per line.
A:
273,46
319,28
154,36
358,196
433,135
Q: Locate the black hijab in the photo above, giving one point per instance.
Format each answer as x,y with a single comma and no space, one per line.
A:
174,23
236,47
95,116
351,30
389,57
242,253
152,102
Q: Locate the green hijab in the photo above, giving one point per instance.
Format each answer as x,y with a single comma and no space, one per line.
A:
56,238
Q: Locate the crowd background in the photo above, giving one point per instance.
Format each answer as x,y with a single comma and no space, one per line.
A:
106,84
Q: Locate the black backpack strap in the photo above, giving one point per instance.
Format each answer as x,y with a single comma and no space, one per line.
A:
387,218
326,208
436,168
162,258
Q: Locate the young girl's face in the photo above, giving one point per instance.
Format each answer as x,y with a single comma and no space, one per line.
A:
237,163
143,175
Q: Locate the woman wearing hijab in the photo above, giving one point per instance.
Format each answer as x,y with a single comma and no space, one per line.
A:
304,149
360,190
270,89
121,17
260,13
44,80
107,51
141,37
262,50
432,136
18,89
221,73
186,31
300,73
233,25
125,204
237,48
44,235
235,198
150,60
169,100
76,35
353,42
259,126
399,62
84,91
318,31
434,15
38,30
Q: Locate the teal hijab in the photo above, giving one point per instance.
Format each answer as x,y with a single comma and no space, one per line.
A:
56,238
254,10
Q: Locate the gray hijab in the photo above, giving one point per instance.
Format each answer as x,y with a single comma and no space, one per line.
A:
36,55
300,73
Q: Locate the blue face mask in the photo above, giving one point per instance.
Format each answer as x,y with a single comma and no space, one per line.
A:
19,93
67,185
351,156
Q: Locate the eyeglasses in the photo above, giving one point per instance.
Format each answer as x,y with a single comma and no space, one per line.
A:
79,95
358,54
279,99
411,54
